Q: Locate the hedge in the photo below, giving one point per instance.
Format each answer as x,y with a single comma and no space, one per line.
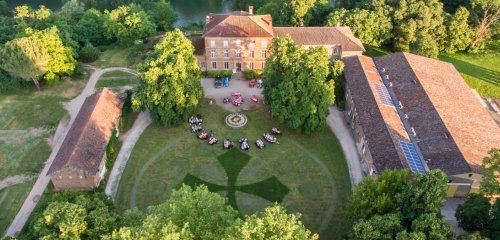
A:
251,74
219,73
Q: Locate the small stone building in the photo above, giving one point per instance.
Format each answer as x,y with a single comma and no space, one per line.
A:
81,161
409,111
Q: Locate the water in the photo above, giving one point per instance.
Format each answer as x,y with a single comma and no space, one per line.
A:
187,10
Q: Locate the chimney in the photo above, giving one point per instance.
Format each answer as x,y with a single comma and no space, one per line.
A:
207,19
250,10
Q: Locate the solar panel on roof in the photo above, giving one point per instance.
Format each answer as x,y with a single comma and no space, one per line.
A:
384,94
416,164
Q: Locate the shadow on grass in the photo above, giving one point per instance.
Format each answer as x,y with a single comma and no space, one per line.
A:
481,73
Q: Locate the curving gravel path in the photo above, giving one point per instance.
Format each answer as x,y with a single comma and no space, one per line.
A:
132,135
43,180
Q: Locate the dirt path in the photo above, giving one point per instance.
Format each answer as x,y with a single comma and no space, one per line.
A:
339,127
132,135
14,180
43,180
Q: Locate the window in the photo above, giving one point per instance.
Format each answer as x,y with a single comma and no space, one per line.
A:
336,50
226,43
212,43
212,53
226,53
238,53
238,42
226,65
263,54
203,65
251,65
252,44
263,65
264,43
214,65
251,54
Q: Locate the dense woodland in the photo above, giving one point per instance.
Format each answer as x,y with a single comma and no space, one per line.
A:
40,47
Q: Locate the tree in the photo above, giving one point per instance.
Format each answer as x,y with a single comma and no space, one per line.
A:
485,14
169,81
61,220
152,229
206,214
376,196
459,34
472,236
163,15
425,45
433,227
410,236
4,9
91,28
424,194
490,183
369,26
129,23
474,214
89,53
73,7
273,223
274,9
292,75
25,58
319,13
296,12
378,227
7,29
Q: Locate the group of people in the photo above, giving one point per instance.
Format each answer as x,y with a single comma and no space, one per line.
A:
244,145
196,123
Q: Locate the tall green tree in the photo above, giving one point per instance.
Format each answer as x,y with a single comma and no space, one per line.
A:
296,12
433,226
163,15
377,196
273,223
424,194
458,32
129,23
4,9
91,28
169,81
485,14
293,75
73,8
61,220
490,183
274,9
319,13
25,58
378,227
425,45
7,29
474,214
369,26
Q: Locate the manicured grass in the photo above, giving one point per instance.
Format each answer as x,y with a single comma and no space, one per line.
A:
308,172
373,51
481,71
112,83
116,56
11,199
116,74
127,120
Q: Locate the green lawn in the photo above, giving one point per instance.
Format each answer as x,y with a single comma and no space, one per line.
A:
127,120
307,171
28,120
116,56
481,71
113,83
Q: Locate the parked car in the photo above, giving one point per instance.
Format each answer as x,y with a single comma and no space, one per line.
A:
218,83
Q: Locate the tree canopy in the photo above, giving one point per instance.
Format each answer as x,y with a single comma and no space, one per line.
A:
293,75
129,23
169,81
490,183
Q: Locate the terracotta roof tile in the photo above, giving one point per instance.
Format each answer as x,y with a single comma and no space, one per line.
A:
86,142
322,36
238,24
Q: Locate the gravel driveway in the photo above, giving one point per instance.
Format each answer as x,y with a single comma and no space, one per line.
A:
234,86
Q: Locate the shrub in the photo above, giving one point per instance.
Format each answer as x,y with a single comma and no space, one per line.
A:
251,74
219,73
112,150
9,83
89,53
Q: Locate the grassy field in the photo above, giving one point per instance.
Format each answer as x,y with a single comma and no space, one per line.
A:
116,56
27,122
116,79
481,71
307,171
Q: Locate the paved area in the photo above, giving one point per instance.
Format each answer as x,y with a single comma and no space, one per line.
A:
43,180
340,128
448,212
234,86
129,140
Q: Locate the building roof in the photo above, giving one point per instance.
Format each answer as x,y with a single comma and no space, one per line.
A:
380,124
322,36
453,130
238,24
86,141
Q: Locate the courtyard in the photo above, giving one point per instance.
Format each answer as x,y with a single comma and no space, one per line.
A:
305,173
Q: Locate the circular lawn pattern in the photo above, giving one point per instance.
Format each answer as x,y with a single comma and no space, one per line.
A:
236,120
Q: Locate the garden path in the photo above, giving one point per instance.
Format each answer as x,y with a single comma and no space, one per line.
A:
129,140
339,127
43,180
14,180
